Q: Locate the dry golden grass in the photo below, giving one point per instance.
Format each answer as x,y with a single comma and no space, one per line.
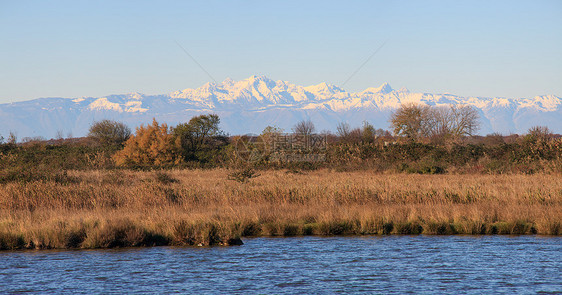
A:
189,207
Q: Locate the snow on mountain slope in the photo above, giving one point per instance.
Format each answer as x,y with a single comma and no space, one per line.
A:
249,105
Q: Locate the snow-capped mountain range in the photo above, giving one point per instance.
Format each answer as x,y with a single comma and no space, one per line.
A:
249,105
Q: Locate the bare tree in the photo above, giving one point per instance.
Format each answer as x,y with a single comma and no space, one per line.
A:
12,138
60,135
417,121
343,130
464,120
304,128
411,120
355,135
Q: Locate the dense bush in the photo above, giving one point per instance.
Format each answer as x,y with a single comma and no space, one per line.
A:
152,145
64,156
201,139
108,132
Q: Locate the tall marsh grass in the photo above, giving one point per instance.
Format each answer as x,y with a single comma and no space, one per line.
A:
122,208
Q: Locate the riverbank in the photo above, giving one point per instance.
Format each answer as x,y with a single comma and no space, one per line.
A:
121,208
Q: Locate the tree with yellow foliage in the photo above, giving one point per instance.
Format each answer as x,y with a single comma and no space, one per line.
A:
151,145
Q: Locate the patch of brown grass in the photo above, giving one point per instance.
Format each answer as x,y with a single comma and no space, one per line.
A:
202,207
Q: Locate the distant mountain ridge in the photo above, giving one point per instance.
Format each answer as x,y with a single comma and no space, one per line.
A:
249,105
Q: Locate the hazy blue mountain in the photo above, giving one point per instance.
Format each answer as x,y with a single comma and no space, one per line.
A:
249,105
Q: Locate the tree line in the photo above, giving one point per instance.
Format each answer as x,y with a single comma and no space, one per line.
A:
202,141
422,138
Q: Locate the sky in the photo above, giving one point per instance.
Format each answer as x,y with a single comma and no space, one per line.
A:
98,48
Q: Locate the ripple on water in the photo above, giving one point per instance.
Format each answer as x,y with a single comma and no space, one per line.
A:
395,264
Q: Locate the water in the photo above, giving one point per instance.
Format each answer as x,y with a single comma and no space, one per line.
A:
393,264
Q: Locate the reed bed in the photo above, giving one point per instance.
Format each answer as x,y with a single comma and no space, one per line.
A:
122,208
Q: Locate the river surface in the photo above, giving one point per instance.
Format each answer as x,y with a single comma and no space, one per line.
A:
390,264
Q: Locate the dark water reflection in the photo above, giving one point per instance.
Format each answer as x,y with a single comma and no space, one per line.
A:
393,264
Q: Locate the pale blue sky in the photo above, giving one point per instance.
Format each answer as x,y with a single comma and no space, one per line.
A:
97,48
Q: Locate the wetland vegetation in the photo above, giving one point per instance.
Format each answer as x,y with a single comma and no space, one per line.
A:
194,185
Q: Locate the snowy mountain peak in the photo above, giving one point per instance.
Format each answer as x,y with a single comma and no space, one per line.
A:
228,82
403,89
250,104
548,102
383,89
102,104
135,96
257,80
324,89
